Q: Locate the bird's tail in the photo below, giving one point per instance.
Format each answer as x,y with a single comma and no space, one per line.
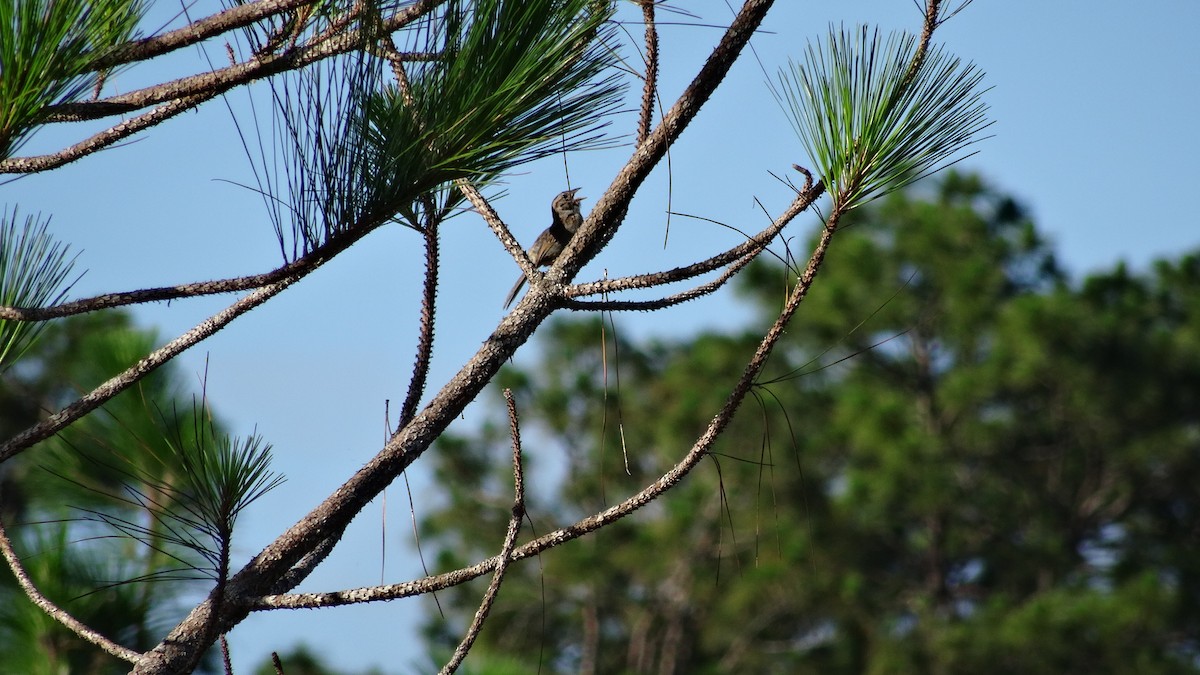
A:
512,295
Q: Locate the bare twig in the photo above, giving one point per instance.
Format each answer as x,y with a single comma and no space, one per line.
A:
102,139
930,24
667,301
54,611
499,228
226,660
329,519
195,32
303,567
650,88
698,452
510,541
301,266
101,394
737,256
186,93
416,384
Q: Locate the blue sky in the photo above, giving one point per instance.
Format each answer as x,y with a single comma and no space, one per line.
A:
1094,132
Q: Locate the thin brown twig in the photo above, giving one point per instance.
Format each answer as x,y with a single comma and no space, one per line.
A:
424,356
102,139
650,87
215,82
303,567
929,25
736,256
416,384
195,32
672,300
122,381
186,93
226,659
698,452
395,58
54,611
330,517
510,541
300,266
498,227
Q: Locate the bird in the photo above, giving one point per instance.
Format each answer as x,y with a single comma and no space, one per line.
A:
566,218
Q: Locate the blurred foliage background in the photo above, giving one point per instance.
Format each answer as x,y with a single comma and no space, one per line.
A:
960,461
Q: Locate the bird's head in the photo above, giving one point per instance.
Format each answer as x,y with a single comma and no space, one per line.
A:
566,201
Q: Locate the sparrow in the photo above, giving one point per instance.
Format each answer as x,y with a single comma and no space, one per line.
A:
566,218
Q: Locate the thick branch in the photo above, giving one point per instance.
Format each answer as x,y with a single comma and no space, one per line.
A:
196,32
331,517
147,365
186,93
605,218
698,452
303,265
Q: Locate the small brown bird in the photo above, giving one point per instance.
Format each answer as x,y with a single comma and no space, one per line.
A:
566,219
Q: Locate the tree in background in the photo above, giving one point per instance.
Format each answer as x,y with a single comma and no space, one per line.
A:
957,461
116,471
403,114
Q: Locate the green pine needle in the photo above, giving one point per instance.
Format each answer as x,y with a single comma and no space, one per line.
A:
46,51
517,81
33,269
868,131
220,480
503,83
195,508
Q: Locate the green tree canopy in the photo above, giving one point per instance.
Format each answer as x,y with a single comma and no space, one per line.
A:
385,113
61,503
959,462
